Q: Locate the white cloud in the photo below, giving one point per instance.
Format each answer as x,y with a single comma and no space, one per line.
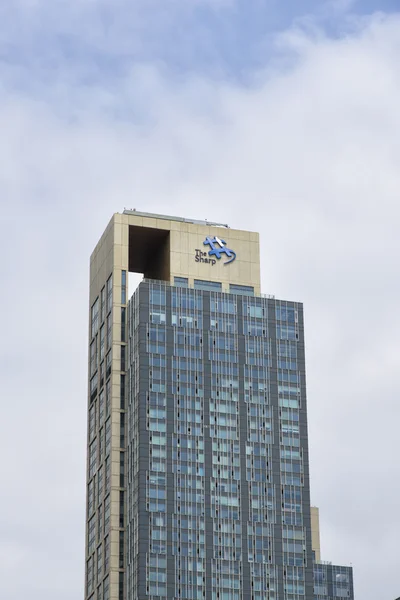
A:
310,159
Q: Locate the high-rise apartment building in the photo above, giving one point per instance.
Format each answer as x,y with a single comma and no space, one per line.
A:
198,470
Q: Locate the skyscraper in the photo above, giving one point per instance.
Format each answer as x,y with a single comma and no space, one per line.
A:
198,470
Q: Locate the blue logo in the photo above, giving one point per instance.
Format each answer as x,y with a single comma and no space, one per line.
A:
217,249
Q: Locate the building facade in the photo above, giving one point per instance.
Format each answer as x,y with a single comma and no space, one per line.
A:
197,470
332,582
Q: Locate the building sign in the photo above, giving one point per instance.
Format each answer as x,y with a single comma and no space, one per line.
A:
217,249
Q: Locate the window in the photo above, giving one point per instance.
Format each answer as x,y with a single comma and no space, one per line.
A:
122,392
108,436
121,509
95,317
123,354
103,304
181,281
92,421
158,296
121,550
123,287
92,458
100,485
108,397
108,474
99,562
121,587
91,534
91,499
342,593
286,332
109,294
122,430
244,290
93,386
93,357
108,363
106,589
109,331
106,554
90,575
157,317
123,324
107,514
101,343
100,522
255,311
122,468
286,314
101,408
207,285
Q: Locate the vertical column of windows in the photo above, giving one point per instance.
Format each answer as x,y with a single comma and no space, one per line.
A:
291,455
320,581
225,493
133,574
100,315
226,580
341,582
294,586
259,443
188,519
156,492
156,574
264,581
286,322
122,455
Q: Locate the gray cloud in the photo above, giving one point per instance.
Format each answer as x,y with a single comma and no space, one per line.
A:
309,157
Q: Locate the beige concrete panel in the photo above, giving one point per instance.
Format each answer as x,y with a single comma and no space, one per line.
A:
116,316
255,253
133,220
115,426
117,231
255,273
315,534
184,265
245,252
175,225
163,224
245,271
125,234
114,585
175,264
237,235
118,256
148,222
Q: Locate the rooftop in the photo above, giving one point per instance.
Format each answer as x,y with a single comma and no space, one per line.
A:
133,211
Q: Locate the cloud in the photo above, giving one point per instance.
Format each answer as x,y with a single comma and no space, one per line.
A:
308,155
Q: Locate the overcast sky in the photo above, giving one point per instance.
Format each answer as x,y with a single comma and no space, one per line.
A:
283,120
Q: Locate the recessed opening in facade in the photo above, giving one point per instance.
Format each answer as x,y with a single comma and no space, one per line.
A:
149,252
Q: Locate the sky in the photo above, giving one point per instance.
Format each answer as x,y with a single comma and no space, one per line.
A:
278,117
